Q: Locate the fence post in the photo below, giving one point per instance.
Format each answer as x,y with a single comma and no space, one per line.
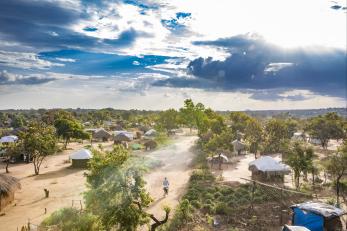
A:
252,197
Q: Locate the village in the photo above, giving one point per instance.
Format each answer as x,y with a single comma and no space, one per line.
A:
232,172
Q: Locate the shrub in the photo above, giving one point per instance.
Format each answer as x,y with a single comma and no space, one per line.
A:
221,208
72,219
196,204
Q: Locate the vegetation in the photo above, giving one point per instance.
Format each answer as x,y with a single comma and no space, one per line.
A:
71,219
300,159
326,127
336,165
38,141
67,127
116,197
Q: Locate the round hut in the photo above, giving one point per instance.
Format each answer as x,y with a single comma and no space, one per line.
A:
150,145
81,158
8,186
102,134
267,169
239,147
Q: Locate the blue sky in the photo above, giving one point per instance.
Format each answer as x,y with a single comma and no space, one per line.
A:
230,55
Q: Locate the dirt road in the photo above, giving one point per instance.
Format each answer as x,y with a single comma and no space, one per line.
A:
175,165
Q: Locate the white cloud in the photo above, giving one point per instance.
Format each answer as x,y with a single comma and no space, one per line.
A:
66,60
126,93
7,78
25,60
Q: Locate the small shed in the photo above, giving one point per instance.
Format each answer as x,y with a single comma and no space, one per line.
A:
120,136
8,186
102,134
239,147
150,145
298,136
317,216
81,158
9,139
267,169
151,133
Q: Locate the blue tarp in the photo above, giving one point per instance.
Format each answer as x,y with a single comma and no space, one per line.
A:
307,219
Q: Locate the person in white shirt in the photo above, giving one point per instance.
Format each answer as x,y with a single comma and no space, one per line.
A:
166,185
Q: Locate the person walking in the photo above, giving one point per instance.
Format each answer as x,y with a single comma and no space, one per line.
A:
166,185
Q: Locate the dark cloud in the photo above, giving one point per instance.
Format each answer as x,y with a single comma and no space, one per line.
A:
254,64
7,78
45,25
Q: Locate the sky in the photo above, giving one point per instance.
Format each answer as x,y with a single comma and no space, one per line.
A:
154,54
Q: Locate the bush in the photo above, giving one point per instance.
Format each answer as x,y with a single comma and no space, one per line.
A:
217,195
208,208
196,204
221,208
72,219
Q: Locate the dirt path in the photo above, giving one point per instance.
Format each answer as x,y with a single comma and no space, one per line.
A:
175,160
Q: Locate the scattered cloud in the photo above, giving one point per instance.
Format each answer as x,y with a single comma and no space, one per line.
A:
254,64
7,78
24,60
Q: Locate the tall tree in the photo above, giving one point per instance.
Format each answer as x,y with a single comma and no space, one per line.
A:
70,128
275,136
239,121
326,127
300,159
168,119
336,165
188,113
116,192
38,141
253,135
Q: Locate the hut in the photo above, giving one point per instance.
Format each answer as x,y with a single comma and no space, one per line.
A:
317,216
151,133
9,139
102,134
239,147
150,144
267,169
81,158
8,186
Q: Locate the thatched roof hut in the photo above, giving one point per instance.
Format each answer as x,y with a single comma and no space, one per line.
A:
238,146
150,144
124,136
8,186
101,134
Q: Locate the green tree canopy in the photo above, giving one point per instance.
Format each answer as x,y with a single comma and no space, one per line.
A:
68,128
300,159
38,141
326,127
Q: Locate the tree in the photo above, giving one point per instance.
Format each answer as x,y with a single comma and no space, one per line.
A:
326,127
253,134
188,113
12,150
275,136
38,141
116,192
336,165
18,121
168,119
300,159
70,128
239,121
